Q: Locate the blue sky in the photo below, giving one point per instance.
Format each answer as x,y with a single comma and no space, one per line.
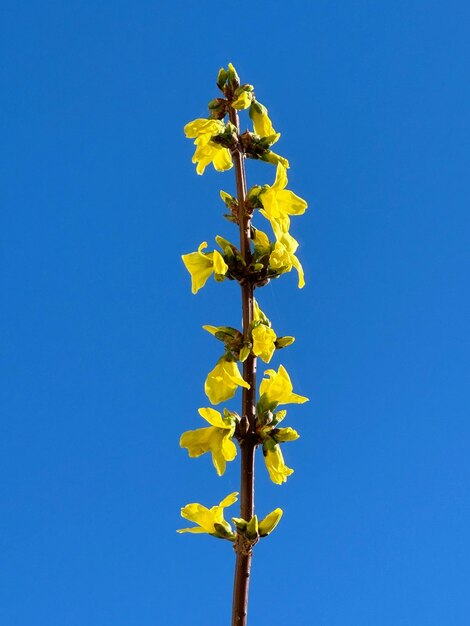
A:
102,354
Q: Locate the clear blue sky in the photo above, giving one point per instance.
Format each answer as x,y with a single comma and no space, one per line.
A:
102,355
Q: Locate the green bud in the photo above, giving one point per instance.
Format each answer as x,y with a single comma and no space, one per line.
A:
252,528
224,531
240,523
283,342
222,78
231,415
253,196
269,523
285,434
224,244
245,352
233,78
229,200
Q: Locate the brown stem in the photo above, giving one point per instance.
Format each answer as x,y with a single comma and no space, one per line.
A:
246,431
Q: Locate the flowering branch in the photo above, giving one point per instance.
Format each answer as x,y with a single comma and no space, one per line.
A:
253,265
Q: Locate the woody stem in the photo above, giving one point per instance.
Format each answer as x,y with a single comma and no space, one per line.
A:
246,430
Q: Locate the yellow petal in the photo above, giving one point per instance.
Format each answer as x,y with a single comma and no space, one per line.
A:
263,342
277,469
197,442
281,177
213,417
290,203
262,243
243,101
199,266
222,159
278,387
300,270
232,372
203,126
228,500
220,267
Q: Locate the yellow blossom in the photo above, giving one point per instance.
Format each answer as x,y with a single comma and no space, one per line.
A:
283,257
261,122
216,439
261,242
202,264
263,342
211,520
203,130
277,201
278,388
243,101
222,382
277,469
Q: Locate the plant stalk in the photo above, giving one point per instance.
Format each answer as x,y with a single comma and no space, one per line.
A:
246,430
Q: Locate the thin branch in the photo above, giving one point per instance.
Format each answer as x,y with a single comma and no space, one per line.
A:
246,430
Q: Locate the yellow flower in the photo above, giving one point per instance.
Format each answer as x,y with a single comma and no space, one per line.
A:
216,439
277,469
243,101
211,520
278,202
201,265
203,130
278,388
283,257
263,342
261,122
261,242
222,382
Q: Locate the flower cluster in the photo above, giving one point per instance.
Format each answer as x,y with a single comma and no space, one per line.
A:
217,140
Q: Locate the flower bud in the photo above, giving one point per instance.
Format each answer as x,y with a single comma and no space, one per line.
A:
245,352
283,342
269,523
222,78
252,528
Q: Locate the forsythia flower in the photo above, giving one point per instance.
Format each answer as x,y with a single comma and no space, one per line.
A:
263,342
278,388
216,438
243,101
263,335
201,265
222,382
283,256
261,242
261,122
211,520
277,469
277,201
206,150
